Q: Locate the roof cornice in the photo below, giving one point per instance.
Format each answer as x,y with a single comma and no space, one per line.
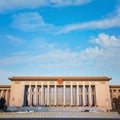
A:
82,78
5,86
114,86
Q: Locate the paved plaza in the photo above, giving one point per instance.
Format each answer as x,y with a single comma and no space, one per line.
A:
58,112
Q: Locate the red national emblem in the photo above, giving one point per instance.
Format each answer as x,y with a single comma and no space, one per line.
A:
60,81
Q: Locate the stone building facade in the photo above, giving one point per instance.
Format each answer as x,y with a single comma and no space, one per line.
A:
5,92
115,96
59,91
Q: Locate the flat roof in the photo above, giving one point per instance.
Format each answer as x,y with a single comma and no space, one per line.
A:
5,86
114,86
75,78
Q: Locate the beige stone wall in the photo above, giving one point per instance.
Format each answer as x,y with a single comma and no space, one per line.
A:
102,91
16,98
101,85
103,95
115,92
5,92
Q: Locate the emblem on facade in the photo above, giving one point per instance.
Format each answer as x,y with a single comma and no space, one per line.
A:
60,81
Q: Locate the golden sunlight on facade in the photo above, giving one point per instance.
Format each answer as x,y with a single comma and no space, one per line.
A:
60,91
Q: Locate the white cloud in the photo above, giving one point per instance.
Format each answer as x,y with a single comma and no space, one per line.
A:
13,39
102,59
104,55
33,21
113,21
30,4
22,53
49,57
105,40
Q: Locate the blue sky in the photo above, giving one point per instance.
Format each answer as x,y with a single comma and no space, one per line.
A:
60,38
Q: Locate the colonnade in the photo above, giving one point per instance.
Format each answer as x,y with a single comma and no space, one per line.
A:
5,93
59,95
114,93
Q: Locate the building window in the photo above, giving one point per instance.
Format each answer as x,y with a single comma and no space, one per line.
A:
114,90
32,89
93,99
86,95
80,89
59,95
67,95
80,95
86,89
74,95
92,89
80,100
51,93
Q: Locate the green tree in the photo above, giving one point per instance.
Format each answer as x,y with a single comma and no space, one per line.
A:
2,103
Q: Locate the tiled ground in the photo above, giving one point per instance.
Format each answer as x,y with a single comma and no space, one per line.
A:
59,112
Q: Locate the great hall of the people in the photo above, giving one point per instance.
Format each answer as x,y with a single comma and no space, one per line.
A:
61,91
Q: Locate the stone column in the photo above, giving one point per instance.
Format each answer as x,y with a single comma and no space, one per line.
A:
64,95
77,95
89,95
30,95
6,97
83,95
2,93
111,95
48,96
41,94
55,95
36,94
95,96
23,97
71,94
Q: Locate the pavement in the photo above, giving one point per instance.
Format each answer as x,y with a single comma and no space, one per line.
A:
56,112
